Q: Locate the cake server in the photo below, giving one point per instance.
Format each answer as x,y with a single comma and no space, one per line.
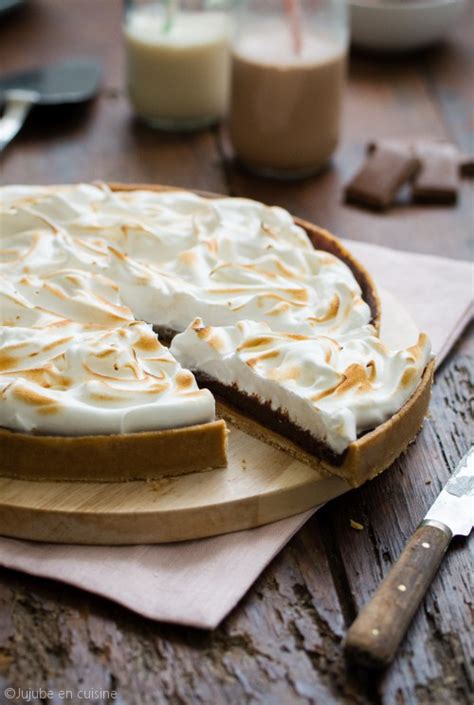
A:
72,81
374,637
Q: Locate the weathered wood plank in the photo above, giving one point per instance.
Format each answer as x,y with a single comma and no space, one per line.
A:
52,149
450,87
282,645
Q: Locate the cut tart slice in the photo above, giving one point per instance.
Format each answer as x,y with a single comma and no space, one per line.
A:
90,403
347,404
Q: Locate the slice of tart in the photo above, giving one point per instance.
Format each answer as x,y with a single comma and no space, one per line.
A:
347,404
101,404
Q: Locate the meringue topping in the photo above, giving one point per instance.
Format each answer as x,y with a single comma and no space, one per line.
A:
335,388
175,255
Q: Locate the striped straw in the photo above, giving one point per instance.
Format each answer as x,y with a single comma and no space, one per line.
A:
293,12
171,7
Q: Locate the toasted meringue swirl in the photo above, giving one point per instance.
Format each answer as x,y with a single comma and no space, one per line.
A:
333,388
175,255
81,266
64,379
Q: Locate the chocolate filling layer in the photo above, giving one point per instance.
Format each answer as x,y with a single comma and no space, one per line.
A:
165,334
275,419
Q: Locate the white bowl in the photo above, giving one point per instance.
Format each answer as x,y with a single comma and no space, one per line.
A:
398,25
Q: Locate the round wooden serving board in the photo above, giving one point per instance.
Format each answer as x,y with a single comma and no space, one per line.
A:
260,485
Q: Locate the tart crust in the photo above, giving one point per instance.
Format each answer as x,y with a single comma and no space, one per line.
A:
112,458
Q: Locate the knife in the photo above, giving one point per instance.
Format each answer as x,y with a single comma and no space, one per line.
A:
72,81
374,637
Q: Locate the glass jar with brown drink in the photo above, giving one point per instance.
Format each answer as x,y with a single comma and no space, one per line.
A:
288,70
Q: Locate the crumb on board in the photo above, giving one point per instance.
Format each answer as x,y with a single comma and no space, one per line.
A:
356,525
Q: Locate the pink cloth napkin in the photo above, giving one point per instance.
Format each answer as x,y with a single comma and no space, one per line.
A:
197,583
436,291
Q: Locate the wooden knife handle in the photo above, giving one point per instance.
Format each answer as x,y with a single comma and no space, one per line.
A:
374,637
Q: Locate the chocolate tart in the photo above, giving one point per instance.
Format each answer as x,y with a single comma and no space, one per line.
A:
147,455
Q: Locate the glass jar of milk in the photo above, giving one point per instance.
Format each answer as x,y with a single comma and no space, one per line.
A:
288,69
178,61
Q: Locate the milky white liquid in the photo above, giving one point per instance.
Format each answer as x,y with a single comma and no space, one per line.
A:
286,109
181,74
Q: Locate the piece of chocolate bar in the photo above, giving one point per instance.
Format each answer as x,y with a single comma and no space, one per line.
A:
386,169
465,161
437,180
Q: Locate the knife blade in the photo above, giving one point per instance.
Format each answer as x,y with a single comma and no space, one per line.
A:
374,637
72,81
454,506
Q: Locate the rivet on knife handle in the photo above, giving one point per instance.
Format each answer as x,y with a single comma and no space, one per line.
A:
374,637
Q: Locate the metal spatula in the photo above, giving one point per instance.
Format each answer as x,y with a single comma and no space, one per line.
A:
72,81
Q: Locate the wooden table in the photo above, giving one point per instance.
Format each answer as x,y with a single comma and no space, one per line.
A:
282,645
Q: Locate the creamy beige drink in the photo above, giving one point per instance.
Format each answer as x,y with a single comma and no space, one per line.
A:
178,77
286,108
